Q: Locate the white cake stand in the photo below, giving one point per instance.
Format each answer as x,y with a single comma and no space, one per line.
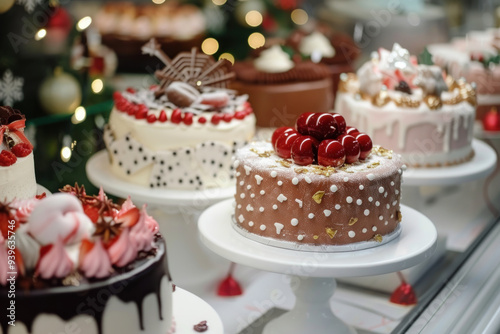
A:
479,167
177,212
313,273
189,310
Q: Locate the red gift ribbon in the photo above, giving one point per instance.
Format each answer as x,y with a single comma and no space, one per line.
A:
16,128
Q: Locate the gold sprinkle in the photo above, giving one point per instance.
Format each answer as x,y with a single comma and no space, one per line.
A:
264,154
353,221
331,233
399,215
315,237
377,238
301,170
285,163
318,196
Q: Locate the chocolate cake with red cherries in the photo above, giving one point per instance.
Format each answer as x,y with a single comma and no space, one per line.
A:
322,186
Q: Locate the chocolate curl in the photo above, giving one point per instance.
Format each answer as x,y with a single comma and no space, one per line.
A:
15,128
229,287
404,293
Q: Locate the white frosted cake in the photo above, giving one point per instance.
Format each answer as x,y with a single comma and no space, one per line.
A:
182,133
17,168
410,108
82,262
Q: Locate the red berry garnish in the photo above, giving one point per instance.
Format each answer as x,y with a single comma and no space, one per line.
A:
92,212
351,147
341,125
303,151
132,109
319,125
176,116
284,144
141,114
331,153
117,96
239,115
350,130
151,118
278,133
301,124
365,145
188,118
22,150
128,218
7,158
202,120
216,119
131,90
163,116
227,117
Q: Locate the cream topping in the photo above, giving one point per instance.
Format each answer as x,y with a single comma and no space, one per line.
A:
273,60
317,46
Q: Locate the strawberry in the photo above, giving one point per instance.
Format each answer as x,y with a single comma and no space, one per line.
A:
216,119
141,114
163,116
227,117
202,120
7,158
22,150
151,118
85,247
128,218
188,118
176,116
92,212
239,115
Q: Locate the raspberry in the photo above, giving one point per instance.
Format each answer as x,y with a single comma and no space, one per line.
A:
22,150
7,158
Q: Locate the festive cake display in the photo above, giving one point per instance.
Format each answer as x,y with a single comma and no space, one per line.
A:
323,45
182,133
280,89
17,168
125,27
476,59
426,118
321,186
79,261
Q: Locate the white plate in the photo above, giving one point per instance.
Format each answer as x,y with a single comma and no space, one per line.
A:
99,173
480,166
189,310
416,243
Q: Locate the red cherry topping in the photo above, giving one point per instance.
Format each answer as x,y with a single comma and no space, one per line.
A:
141,114
163,116
239,115
350,130
22,150
365,145
301,124
284,144
132,109
331,153
351,147
7,158
341,125
278,133
319,125
202,120
188,118
216,119
151,118
303,150
227,117
176,116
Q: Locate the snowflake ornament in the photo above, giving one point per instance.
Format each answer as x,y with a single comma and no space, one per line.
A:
11,88
29,5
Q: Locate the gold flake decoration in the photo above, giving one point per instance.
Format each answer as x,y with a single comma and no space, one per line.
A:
406,102
373,164
285,163
331,233
315,237
324,170
318,196
301,170
352,221
346,79
383,152
381,99
377,238
399,215
433,102
265,154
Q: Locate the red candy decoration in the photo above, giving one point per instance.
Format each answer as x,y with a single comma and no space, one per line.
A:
284,143
365,145
301,124
491,121
331,153
351,147
404,293
278,133
341,124
350,130
304,149
319,125
202,120
229,287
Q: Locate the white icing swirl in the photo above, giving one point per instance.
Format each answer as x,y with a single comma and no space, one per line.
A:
59,216
317,46
273,60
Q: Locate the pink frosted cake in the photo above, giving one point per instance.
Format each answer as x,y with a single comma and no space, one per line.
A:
78,261
411,108
17,168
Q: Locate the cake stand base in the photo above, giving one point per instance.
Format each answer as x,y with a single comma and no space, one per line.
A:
312,273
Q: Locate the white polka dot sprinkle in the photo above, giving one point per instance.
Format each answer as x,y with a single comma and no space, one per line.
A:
300,237
250,223
361,187
381,190
348,199
333,188
261,209
337,206
280,183
274,174
351,234
262,192
310,216
366,212
370,199
359,201
242,195
346,179
295,181
262,227
377,203
275,207
294,222
370,177
364,230
374,228
327,213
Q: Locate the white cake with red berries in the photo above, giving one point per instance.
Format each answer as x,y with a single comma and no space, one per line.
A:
17,168
410,108
182,133
75,261
320,187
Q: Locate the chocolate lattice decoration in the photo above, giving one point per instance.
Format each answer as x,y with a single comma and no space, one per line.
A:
195,68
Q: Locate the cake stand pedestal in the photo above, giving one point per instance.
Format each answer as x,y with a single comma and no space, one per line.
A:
177,213
313,273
